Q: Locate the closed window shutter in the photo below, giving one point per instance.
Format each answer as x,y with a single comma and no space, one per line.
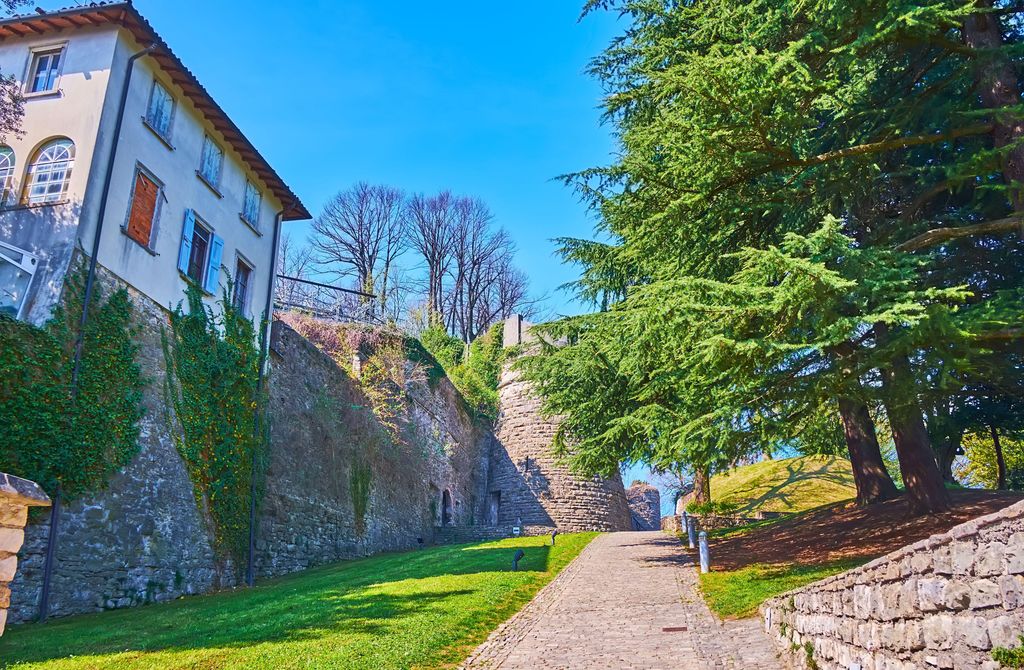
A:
143,210
213,269
186,240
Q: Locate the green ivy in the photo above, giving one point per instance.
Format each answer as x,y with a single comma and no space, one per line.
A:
1010,658
213,384
53,434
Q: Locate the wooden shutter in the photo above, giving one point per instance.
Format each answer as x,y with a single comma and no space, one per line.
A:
185,252
143,209
213,269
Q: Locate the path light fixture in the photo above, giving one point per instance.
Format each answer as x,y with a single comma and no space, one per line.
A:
515,561
553,533
419,541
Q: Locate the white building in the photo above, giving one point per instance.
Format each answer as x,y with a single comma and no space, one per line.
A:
186,197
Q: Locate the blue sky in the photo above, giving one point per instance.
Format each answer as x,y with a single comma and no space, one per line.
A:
486,99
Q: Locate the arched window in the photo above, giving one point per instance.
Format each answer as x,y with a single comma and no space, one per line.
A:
6,173
50,172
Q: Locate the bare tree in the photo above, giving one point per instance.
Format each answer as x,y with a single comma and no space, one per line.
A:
294,259
360,234
432,235
480,255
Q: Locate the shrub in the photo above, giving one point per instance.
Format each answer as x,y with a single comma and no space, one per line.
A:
711,508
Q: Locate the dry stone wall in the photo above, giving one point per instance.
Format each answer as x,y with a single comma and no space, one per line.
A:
531,487
944,602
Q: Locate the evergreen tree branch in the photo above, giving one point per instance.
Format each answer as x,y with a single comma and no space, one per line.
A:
939,235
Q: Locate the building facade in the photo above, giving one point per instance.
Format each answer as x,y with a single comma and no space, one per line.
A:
120,139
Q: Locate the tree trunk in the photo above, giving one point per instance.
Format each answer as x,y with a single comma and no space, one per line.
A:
869,474
998,88
946,453
701,486
1000,460
926,492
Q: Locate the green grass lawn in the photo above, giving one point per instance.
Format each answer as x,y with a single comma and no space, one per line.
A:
738,593
786,485
423,609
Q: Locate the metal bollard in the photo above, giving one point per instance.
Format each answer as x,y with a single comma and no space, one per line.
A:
691,532
705,555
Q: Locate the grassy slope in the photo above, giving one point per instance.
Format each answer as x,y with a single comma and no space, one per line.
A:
738,593
789,485
423,609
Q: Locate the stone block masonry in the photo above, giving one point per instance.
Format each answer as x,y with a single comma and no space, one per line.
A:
944,602
645,506
16,496
529,486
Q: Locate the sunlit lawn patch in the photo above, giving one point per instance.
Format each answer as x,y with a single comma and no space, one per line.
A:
422,609
737,593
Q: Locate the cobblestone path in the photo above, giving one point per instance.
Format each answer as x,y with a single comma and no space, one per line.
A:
609,608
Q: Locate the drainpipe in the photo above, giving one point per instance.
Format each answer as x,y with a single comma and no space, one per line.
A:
250,567
51,542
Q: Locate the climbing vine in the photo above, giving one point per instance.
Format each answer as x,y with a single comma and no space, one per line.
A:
57,434
213,384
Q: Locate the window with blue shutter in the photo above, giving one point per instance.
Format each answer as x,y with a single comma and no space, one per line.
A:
185,252
213,269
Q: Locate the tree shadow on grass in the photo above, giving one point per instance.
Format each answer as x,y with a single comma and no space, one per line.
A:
778,491
371,597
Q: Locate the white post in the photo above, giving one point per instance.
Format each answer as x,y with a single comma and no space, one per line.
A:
705,556
691,532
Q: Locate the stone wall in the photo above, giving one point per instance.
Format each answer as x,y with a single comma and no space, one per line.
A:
141,540
323,426
528,486
144,539
645,505
16,496
944,602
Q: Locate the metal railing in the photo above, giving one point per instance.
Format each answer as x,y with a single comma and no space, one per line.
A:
326,301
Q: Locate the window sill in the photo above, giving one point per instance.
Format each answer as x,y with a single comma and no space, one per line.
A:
166,142
188,280
41,205
210,186
252,226
53,93
139,244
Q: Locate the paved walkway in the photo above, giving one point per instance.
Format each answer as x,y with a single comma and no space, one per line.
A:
609,609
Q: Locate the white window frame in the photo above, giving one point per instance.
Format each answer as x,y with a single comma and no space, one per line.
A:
31,170
253,221
245,307
34,55
8,194
163,135
28,264
161,198
213,183
205,264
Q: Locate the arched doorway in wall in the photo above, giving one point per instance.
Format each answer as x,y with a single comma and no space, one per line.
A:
446,508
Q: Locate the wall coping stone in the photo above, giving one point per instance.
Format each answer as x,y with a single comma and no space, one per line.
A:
22,491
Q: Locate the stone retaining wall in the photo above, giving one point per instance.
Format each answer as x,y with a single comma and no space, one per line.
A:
645,505
944,602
